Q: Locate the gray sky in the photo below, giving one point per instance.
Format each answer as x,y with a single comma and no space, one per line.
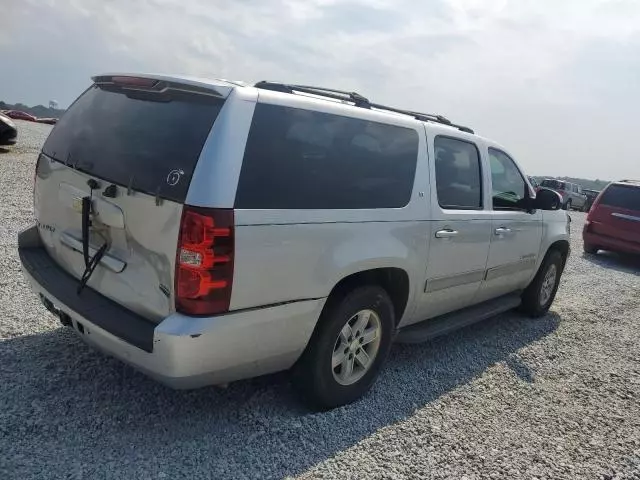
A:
556,81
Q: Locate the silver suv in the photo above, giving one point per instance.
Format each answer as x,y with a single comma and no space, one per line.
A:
572,195
209,231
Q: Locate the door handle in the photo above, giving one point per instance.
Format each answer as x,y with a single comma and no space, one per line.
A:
446,233
502,231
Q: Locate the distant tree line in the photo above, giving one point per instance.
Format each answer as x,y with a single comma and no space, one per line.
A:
39,110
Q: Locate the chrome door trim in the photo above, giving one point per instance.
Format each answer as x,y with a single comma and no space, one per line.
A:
626,217
526,263
442,283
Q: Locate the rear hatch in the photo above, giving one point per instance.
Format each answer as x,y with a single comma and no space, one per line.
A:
129,145
617,213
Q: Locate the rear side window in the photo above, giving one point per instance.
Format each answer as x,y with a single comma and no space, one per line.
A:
300,159
458,177
139,139
621,196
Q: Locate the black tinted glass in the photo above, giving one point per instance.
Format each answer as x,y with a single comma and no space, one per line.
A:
300,159
509,189
458,178
140,139
621,196
553,184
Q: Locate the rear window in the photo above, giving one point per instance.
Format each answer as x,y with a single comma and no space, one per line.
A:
148,141
553,184
300,159
621,196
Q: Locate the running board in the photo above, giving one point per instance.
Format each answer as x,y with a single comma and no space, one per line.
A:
434,327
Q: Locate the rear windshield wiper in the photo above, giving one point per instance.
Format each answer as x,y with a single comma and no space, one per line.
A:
90,263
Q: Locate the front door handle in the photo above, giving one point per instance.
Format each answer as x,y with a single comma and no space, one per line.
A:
502,231
446,233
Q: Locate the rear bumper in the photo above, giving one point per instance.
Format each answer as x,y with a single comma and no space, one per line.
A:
180,351
610,243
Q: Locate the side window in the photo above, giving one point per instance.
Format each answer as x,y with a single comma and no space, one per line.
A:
458,175
509,189
302,159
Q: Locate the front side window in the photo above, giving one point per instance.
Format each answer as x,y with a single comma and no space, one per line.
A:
458,174
509,190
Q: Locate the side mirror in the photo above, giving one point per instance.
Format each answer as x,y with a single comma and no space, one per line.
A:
547,200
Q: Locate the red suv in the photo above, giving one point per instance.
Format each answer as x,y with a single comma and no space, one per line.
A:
613,222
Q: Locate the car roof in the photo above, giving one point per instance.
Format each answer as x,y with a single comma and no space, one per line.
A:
628,183
318,95
224,87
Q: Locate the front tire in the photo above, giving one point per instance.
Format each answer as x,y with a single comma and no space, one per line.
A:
348,348
568,205
539,295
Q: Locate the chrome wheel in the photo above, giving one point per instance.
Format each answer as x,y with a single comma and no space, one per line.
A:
548,284
356,347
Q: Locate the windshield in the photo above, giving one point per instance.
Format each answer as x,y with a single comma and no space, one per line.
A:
135,139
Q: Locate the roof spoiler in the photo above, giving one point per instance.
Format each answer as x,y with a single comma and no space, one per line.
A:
164,83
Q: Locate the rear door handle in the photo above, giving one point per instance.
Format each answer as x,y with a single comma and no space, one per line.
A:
446,233
502,231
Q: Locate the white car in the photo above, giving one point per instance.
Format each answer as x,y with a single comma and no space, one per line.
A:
209,231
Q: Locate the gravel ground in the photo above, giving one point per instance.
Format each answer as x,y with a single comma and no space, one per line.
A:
554,398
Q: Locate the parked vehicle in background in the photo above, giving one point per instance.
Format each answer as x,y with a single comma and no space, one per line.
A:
245,230
591,197
48,121
18,115
572,196
613,222
8,131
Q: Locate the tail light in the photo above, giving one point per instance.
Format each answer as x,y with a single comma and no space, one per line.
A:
204,262
134,82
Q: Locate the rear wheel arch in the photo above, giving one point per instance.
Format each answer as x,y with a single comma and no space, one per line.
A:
394,280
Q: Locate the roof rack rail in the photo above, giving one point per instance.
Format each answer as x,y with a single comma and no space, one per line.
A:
358,101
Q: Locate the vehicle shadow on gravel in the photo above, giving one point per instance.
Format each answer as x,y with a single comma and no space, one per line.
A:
615,261
89,413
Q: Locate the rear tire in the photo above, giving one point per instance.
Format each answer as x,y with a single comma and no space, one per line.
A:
590,249
539,295
347,349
